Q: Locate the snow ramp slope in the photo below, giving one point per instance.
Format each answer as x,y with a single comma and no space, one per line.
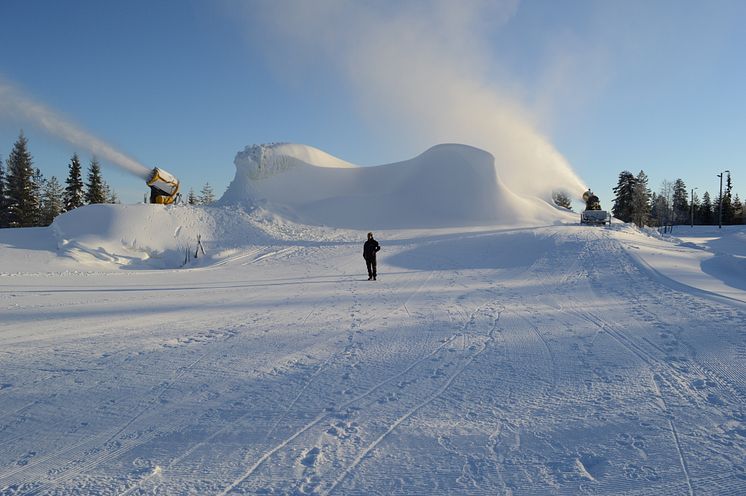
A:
449,185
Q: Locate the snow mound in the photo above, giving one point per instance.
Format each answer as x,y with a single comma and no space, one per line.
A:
141,236
449,185
138,236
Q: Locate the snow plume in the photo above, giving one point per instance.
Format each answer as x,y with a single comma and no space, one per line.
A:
15,104
423,69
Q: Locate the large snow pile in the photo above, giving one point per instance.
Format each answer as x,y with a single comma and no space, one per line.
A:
448,185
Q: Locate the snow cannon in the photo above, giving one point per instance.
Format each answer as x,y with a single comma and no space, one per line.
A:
164,187
593,214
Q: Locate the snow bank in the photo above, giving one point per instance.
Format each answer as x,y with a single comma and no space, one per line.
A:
448,185
140,235
704,257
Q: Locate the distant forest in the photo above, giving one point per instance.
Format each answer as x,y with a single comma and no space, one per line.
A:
674,203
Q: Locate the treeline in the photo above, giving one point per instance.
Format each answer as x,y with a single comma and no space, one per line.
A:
673,204
206,196
28,199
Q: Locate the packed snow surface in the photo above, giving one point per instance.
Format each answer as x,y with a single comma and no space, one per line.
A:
554,359
447,185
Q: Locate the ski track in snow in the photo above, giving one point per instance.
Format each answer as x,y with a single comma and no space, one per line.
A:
570,370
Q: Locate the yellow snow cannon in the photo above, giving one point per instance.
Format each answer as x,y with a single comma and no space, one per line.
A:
164,187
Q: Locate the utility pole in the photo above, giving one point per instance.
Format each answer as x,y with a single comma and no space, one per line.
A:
720,209
691,206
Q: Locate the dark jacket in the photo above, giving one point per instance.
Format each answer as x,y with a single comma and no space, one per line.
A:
370,248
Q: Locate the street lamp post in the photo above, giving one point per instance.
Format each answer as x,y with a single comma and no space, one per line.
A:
691,207
720,209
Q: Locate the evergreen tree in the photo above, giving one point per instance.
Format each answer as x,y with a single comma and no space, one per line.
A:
695,208
39,183
662,211
206,195
110,194
74,196
737,210
641,200
679,202
728,211
192,198
3,200
53,202
653,220
624,189
22,195
665,204
705,210
561,199
95,192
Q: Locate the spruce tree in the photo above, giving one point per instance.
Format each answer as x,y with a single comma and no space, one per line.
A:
192,198
624,189
206,195
705,210
661,210
52,201
728,213
23,200
695,207
641,200
561,199
95,192
39,183
737,210
653,219
665,204
74,196
110,194
680,203
3,200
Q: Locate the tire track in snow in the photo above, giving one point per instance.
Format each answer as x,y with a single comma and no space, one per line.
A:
81,448
124,446
324,415
317,373
648,352
653,363
399,421
439,392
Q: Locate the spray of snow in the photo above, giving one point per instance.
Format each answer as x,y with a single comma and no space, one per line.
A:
17,105
424,67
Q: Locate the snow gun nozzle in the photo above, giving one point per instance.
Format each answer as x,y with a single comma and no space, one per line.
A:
164,187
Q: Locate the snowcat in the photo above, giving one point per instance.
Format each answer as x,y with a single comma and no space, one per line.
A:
164,187
593,214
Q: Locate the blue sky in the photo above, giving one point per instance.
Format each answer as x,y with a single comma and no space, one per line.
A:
184,85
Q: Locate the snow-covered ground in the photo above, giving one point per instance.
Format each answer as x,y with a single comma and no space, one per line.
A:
487,359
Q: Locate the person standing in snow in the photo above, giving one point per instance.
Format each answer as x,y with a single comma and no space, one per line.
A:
370,248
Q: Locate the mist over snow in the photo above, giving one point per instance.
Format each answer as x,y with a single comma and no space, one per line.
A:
449,185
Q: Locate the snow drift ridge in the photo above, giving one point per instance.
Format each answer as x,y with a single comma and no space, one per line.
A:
448,185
